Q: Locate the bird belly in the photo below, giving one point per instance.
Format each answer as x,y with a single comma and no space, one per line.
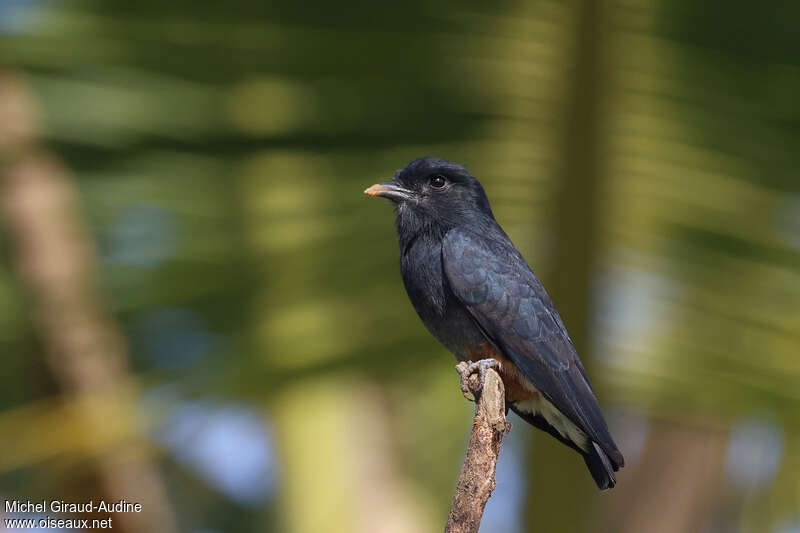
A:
450,322
526,397
440,311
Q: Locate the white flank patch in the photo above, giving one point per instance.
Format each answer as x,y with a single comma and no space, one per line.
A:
542,406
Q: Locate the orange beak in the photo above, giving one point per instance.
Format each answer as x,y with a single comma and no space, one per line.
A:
375,190
390,190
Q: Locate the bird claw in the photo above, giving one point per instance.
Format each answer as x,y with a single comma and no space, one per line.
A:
467,368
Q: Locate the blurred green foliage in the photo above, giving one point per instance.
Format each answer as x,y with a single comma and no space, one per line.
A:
220,151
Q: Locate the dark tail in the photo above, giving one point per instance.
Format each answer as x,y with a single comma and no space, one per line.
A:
601,467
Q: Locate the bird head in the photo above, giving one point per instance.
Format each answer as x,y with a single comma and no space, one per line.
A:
434,193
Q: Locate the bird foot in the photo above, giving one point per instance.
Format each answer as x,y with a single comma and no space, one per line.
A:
467,369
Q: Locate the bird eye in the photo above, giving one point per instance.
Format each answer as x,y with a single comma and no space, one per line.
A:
438,181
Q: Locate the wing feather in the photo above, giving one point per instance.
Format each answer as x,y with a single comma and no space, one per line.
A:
492,280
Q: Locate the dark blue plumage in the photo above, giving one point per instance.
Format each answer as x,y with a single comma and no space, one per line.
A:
476,294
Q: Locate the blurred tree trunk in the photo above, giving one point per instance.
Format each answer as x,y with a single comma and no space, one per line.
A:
675,485
53,256
559,486
353,483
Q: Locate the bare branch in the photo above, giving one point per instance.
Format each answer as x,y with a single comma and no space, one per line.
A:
476,481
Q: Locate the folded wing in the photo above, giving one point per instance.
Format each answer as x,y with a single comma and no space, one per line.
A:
509,303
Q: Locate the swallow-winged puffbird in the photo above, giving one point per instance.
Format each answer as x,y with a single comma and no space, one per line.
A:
477,295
